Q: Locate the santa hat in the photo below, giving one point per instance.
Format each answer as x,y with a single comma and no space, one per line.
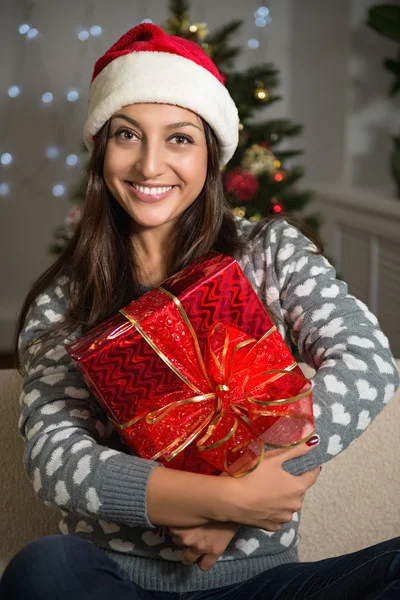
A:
148,65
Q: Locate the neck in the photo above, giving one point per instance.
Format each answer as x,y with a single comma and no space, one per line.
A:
152,248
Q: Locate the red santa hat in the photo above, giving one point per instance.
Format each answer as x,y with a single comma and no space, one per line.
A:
148,65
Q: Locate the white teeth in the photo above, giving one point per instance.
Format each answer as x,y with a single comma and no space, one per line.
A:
152,191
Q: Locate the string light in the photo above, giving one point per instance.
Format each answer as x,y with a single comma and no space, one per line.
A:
73,95
47,97
13,91
24,29
262,16
58,190
95,30
6,158
253,44
71,160
83,35
263,11
32,33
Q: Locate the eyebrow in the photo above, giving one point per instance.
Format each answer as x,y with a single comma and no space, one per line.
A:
171,126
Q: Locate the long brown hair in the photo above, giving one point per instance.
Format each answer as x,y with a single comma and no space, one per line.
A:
99,263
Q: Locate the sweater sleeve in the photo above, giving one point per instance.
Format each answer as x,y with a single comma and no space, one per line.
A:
336,334
66,432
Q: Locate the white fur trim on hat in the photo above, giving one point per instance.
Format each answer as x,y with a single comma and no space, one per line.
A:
165,78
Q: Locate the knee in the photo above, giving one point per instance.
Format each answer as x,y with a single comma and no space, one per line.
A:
38,564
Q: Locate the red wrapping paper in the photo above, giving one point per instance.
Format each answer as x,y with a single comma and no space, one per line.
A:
195,375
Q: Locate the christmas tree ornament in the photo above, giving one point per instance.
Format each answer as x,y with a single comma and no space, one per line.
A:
276,206
258,160
239,211
200,29
280,175
260,92
255,217
243,184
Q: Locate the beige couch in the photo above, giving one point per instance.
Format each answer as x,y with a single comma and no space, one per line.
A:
355,502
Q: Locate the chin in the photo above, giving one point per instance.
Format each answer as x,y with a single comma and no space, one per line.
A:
151,223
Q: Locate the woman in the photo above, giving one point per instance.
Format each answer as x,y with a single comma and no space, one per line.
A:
163,124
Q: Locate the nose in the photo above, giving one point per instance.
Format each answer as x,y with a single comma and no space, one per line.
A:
150,162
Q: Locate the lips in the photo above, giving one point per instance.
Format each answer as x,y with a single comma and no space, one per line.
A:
148,198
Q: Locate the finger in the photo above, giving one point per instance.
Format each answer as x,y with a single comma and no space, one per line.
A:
284,454
270,526
190,556
177,540
207,561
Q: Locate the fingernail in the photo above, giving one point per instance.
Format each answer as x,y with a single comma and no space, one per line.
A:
313,441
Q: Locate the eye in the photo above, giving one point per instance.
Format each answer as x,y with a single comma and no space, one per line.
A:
186,139
121,133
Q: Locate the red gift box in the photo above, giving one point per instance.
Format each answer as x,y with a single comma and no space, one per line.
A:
195,375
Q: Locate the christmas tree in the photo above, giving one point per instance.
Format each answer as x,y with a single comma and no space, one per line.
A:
257,180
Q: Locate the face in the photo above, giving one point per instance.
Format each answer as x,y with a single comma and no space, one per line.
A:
155,163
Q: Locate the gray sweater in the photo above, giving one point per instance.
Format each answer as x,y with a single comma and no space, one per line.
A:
77,463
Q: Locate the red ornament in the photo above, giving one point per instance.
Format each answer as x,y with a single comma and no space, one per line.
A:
279,175
242,183
277,207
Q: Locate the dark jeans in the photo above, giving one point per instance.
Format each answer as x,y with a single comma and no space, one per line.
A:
62,567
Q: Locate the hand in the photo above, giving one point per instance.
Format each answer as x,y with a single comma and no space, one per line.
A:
206,542
268,497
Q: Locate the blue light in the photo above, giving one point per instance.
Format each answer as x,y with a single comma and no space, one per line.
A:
52,152
83,35
24,29
147,21
58,190
261,22
96,30
47,97
13,91
253,44
71,160
263,11
73,95
6,158
32,33
4,189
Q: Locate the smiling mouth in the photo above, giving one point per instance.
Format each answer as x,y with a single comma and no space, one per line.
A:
148,194
151,190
